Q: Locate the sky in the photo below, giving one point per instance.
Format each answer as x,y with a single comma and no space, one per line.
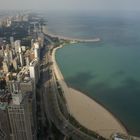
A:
73,5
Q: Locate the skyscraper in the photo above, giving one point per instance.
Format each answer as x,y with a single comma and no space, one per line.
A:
37,50
21,118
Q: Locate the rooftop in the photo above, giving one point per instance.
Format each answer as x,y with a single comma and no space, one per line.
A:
5,98
3,106
34,62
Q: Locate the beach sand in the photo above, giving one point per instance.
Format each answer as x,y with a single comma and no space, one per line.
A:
85,110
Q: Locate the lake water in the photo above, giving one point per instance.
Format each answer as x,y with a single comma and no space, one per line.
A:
107,71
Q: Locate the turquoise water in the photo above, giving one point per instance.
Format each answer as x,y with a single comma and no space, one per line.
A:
108,71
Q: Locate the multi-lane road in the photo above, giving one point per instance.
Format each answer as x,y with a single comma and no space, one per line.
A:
52,108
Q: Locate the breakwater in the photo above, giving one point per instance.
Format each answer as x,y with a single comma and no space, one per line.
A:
69,38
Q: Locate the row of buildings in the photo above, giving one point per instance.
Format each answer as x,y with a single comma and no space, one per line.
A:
19,74
7,21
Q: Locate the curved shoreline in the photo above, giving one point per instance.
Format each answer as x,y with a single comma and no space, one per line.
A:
87,111
107,109
70,38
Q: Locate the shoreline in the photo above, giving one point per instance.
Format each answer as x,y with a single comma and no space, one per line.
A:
69,38
102,121
101,104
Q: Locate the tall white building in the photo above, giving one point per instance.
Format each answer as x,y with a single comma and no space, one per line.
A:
37,50
17,45
21,57
34,69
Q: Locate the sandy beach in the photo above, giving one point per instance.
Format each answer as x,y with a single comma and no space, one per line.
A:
85,110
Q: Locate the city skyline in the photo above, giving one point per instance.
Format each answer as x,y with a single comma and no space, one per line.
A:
95,101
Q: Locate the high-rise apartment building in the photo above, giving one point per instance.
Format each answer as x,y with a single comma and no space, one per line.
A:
34,69
37,50
19,117
22,118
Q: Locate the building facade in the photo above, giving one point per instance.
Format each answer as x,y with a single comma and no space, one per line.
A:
22,119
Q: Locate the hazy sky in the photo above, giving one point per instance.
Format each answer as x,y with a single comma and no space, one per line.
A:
71,4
